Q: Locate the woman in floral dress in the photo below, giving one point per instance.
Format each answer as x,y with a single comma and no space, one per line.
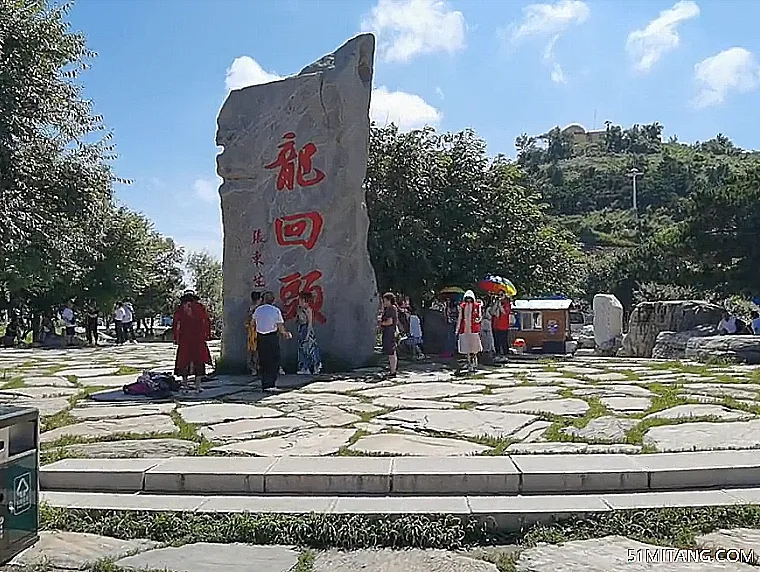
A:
309,358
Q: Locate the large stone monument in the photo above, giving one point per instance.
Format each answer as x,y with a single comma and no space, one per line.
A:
293,204
608,323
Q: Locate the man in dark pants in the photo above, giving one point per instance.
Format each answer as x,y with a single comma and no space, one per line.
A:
269,326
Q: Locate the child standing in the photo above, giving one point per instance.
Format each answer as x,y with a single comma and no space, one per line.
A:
415,333
468,327
253,353
486,332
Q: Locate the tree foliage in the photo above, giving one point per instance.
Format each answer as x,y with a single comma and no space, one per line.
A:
206,275
62,235
696,216
442,212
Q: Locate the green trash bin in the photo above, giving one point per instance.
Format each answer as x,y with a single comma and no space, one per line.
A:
19,484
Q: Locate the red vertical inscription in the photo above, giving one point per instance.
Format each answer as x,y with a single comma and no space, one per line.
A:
295,166
298,230
293,285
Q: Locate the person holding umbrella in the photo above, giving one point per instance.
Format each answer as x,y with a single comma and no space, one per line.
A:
500,310
468,328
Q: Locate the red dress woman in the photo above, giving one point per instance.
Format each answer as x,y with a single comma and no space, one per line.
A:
192,328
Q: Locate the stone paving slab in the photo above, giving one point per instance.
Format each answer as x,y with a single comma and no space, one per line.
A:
208,557
498,475
544,508
426,410
204,474
398,561
609,553
132,448
76,551
104,428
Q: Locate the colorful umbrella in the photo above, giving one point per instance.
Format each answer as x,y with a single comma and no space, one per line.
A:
497,284
452,290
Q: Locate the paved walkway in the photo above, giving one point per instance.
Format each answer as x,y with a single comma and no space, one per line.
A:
581,405
736,550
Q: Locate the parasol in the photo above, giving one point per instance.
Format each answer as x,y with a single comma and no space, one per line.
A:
452,290
497,284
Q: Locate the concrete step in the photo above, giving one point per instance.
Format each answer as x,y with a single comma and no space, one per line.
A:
508,512
414,476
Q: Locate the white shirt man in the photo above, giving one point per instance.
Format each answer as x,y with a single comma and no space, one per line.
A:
119,314
269,326
267,318
68,317
728,323
127,317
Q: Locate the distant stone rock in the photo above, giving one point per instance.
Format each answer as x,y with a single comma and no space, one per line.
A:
740,349
608,323
648,319
672,345
293,204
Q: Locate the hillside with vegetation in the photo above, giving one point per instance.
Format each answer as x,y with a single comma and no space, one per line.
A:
698,216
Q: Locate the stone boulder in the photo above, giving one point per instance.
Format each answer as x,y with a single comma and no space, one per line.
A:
739,349
672,345
608,320
293,205
648,319
586,338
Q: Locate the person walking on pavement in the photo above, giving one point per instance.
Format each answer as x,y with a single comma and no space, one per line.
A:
91,326
69,323
118,322
270,325
128,323
192,329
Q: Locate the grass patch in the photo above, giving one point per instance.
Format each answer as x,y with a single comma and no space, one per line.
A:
498,444
66,440
468,405
188,432
344,451
677,527
305,561
59,454
128,370
556,431
14,383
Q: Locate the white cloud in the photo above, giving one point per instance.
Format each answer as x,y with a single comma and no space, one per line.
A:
557,74
246,71
660,36
550,21
406,110
207,190
733,70
439,92
409,28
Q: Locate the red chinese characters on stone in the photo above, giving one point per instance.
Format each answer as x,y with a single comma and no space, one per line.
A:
257,259
295,166
298,230
295,284
257,237
258,281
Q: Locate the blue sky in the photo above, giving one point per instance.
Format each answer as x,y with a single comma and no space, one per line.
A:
501,67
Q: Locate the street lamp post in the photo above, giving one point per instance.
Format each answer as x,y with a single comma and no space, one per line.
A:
635,174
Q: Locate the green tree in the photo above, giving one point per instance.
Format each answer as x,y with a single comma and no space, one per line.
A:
206,274
442,212
55,182
720,234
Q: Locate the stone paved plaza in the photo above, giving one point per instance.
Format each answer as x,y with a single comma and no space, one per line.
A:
76,551
584,404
